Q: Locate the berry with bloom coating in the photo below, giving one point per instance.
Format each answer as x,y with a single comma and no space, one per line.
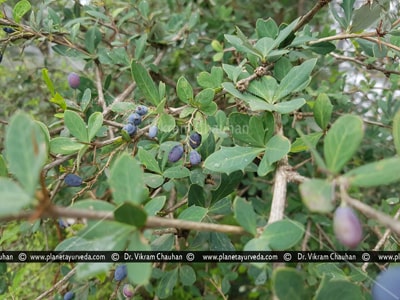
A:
176,153
73,180
128,290
120,273
130,129
347,227
386,286
134,119
69,295
195,140
74,80
153,131
194,157
142,110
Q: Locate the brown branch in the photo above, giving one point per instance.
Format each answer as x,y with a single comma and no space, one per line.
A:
99,87
308,16
152,222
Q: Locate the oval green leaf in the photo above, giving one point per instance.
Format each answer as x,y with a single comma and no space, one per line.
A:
283,234
342,141
317,195
245,215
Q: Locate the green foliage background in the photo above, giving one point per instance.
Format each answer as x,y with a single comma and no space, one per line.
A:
297,106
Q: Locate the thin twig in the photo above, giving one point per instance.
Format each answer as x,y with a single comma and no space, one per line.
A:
57,285
308,16
152,222
99,87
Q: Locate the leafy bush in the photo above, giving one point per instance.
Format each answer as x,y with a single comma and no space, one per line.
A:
291,116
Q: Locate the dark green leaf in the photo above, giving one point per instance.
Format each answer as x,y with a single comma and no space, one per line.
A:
288,284
245,215
323,110
184,90
196,196
283,234
228,184
145,83
130,214
12,197
167,284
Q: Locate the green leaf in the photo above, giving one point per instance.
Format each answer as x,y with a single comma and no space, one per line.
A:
139,272
26,150
323,48
396,132
92,39
59,100
3,167
211,80
176,172
94,124
338,289
312,139
148,161
228,184
281,68
196,196
245,215
47,80
87,97
167,283
130,214
220,242
379,173
64,145
153,180
366,16
347,6
76,125
264,167
230,159
254,102
204,97
266,28
166,122
317,195
155,205
296,80
342,141
277,147
187,275
287,107
322,110
193,213
264,88
288,284
283,234
126,181
20,9
145,83
12,197
184,90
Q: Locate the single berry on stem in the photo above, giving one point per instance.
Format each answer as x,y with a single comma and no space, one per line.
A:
142,110
130,129
194,157
120,273
73,180
134,119
176,153
69,295
347,227
153,130
195,140
74,80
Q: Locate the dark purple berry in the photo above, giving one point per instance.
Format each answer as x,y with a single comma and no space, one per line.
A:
142,110
69,295
130,129
74,80
153,131
347,227
194,157
386,285
134,119
8,30
128,290
120,273
195,140
73,180
176,153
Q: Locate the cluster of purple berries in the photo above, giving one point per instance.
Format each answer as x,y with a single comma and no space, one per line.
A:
135,119
176,152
